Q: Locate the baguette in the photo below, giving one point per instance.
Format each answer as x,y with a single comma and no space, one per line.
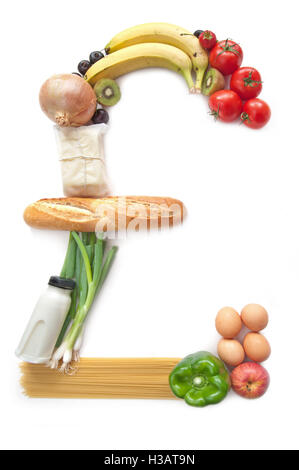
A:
104,214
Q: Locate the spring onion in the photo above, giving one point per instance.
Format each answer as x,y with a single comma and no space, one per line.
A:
85,262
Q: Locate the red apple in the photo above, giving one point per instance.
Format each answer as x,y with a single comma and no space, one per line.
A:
250,380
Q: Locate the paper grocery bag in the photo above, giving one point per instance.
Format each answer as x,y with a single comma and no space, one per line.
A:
81,154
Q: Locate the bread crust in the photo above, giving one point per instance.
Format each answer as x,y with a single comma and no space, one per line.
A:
111,213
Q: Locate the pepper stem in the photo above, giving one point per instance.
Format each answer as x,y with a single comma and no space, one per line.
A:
199,381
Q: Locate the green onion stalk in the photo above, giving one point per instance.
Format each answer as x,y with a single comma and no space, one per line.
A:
85,262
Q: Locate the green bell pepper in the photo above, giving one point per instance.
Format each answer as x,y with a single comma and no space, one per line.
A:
201,379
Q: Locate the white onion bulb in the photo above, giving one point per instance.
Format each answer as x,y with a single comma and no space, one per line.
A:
68,100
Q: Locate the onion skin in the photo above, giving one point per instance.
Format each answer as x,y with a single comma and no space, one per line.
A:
68,100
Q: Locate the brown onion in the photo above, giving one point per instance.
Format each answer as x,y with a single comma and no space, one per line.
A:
68,100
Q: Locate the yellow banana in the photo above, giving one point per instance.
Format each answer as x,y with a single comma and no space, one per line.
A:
141,56
167,34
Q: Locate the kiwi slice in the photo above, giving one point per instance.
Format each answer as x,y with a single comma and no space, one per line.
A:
107,92
213,81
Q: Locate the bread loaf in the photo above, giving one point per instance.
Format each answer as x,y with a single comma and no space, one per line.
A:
104,214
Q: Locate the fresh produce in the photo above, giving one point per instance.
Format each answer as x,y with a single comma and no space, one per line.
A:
198,32
200,379
225,105
107,92
256,113
226,56
255,317
246,82
166,34
250,380
95,56
67,100
100,116
90,273
141,56
207,39
83,66
231,351
213,81
256,347
228,322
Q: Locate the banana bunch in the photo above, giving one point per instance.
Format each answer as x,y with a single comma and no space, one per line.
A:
152,45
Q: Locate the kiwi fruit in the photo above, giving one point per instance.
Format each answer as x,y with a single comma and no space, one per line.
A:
107,92
213,81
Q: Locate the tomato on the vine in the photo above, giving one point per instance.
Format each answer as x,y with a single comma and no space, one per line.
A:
226,56
247,82
225,105
256,113
207,39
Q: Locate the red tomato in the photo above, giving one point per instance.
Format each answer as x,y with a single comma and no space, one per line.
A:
256,113
225,105
226,56
247,82
207,39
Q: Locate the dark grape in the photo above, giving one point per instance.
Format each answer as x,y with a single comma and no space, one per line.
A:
83,66
76,73
198,32
100,116
95,56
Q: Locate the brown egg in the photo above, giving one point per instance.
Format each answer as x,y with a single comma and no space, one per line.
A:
231,351
228,322
256,347
255,317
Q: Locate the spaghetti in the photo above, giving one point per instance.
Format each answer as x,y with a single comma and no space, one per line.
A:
102,378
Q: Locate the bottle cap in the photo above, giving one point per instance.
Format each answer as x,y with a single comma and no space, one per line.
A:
62,283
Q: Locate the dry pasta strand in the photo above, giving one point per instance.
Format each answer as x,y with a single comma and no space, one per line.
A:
101,378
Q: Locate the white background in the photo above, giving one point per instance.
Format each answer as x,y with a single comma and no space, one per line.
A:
240,243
